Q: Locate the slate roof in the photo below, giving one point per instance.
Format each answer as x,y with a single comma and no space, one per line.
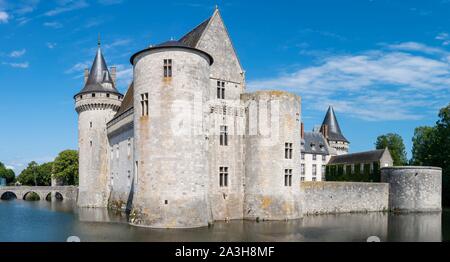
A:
98,75
191,39
315,143
334,131
363,157
127,103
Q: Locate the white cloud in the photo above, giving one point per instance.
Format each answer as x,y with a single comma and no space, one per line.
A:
18,53
67,6
444,38
4,17
51,45
55,25
23,65
78,67
124,75
374,85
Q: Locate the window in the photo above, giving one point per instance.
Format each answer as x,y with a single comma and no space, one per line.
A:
303,169
223,176
108,95
90,142
167,68
144,104
288,177
288,149
314,157
93,95
220,90
314,170
303,156
324,158
224,135
314,179
324,168
129,147
90,124
302,179
117,151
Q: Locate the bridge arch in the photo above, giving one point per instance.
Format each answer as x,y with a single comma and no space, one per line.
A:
8,196
32,196
54,196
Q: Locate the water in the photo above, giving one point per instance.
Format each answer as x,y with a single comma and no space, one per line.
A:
22,221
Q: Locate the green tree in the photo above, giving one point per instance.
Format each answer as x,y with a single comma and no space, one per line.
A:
431,147
65,167
36,175
396,147
7,174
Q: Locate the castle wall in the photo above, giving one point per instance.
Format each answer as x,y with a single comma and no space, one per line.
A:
94,114
121,180
333,198
227,201
273,119
170,143
414,189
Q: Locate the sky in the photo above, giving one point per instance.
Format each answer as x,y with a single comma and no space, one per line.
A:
384,65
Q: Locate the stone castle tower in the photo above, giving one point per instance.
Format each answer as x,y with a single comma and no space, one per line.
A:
332,132
96,104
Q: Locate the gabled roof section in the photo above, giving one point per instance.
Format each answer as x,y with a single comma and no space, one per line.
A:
192,38
359,158
128,101
334,130
315,143
99,79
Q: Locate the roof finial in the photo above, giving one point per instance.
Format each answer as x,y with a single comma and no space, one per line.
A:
99,43
217,7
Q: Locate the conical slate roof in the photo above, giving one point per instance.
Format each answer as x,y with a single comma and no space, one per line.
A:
334,131
98,76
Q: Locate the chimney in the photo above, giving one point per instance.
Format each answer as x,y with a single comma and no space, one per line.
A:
86,75
114,74
303,131
324,131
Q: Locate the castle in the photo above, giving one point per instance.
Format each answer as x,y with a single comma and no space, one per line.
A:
186,145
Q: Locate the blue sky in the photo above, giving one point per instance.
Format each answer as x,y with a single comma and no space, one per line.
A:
383,64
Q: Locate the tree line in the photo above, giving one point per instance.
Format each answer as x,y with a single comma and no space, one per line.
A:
64,168
431,147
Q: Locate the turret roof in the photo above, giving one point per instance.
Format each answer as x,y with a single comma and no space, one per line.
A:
98,76
334,131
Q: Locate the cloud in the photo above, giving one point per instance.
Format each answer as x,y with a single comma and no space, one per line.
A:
4,17
23,65
389,84
55,25
18,53
67,6
78,67
444,38
51,45
124,75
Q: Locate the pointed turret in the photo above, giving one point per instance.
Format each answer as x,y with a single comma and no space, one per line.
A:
332,132
99,79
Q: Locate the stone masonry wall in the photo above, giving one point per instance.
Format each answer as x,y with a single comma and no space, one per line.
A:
333,198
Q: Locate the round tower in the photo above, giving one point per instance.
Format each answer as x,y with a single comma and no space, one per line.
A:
272,156
171,84
96,105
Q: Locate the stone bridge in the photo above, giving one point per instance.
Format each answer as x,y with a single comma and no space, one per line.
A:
61,193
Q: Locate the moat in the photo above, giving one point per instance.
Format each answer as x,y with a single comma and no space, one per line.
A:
22,221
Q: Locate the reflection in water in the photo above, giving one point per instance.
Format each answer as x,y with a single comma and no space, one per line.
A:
42,221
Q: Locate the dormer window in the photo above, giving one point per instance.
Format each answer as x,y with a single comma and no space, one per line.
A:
108,95
93,94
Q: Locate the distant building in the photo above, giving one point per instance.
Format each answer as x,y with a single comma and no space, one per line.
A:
352,166
319,146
